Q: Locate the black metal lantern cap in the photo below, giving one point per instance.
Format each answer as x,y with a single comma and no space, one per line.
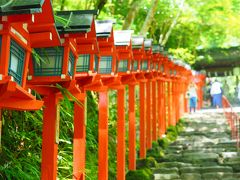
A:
75,21
104,27
15,7
137,42
148,44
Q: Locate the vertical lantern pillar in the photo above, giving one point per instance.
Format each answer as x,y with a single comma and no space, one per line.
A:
142,121
79,141
160,110
169,104
50,137
164,106
185,98
148,114
174,103
103,136
132,129
121,134
177,101
154,106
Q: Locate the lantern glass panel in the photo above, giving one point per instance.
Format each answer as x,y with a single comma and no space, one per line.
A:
135,65
144,65
162,68
51,63
83,63
95,63
105,66
122,66
157,66
16,62
71,60
152,66
175,72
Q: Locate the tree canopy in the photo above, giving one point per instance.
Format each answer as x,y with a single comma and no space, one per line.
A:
183,26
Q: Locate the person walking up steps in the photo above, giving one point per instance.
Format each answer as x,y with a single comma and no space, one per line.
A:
192,93
216,93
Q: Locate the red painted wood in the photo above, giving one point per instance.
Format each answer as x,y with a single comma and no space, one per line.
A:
169,107
154,112
103,136
121,135
49,145
132,129
5,54
142,121
160,109
148,115
79,142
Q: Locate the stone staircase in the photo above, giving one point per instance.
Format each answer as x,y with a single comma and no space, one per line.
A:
203,151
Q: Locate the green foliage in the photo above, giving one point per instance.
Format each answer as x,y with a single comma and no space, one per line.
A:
21,145
183,54
149,162
139,174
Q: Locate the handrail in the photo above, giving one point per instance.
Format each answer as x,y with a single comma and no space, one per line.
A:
233,120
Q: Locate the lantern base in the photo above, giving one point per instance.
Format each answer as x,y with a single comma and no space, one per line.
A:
15,97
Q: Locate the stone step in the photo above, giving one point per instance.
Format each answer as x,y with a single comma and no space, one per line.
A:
198,157
213,169
166,176
216,175
205,169
170,157
191,169
173,164
172,170
191,176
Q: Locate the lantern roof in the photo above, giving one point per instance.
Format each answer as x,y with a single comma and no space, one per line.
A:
122,38
14,7
137,42
104,27
43,32
148,44
75,21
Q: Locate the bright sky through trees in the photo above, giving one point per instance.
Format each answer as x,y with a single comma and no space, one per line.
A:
179,25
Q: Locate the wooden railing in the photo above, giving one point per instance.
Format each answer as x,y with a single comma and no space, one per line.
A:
233,120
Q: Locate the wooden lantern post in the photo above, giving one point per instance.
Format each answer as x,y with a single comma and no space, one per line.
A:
162,97
138,55
177,91
56,67
167,88
125,56
175,94
108,70
146,69
172,91
15,50
157,120
86,77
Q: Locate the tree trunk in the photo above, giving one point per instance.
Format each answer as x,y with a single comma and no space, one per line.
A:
149,17
100,4
135,5
164,38
62,5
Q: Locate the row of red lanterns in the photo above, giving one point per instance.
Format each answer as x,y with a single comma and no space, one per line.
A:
81,54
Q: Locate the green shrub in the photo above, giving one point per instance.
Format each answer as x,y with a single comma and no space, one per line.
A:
140,174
